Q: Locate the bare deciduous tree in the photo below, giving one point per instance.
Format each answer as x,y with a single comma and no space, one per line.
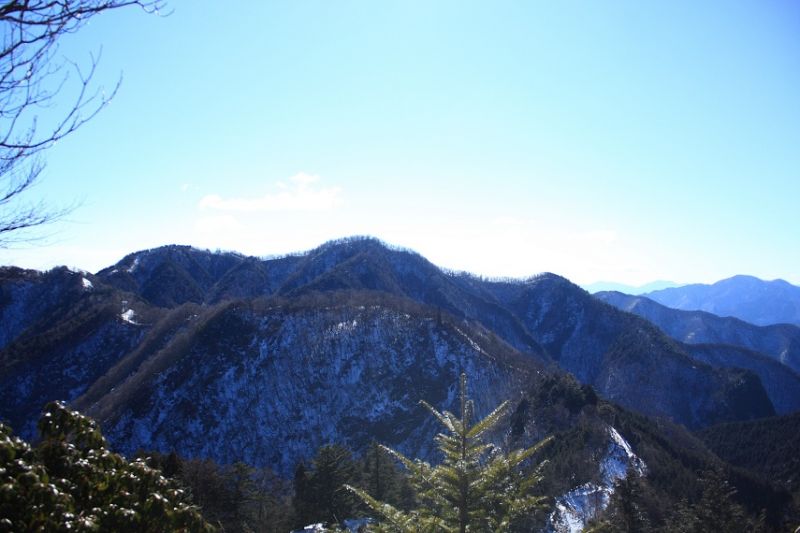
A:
33,78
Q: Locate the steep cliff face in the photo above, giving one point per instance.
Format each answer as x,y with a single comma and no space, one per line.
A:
575,509
269,385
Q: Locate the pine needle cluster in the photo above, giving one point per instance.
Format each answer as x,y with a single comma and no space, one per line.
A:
476,487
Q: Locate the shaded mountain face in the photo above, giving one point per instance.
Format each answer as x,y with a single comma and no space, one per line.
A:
771,352
781,383
269,383
624,357
61,330
548,318
176,321
745,297
743,444
170,275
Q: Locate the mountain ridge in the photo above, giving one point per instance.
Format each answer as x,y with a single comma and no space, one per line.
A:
234,358
546,318
745,297
781,342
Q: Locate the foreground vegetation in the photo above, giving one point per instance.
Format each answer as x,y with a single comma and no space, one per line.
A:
475,488
69,480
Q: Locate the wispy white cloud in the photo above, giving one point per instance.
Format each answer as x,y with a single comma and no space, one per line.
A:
301,193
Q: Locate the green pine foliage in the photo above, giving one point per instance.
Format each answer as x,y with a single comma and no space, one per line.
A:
475,488
627,509
382,478
715,511
70,481
235,497
319,492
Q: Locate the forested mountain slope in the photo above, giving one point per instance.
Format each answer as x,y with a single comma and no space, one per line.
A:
233,358
129,316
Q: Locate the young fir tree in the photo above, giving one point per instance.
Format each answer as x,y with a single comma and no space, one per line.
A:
319,493
475,488
383,479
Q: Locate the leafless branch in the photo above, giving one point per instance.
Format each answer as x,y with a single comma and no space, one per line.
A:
32,80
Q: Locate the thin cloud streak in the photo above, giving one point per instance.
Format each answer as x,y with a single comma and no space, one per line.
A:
300,194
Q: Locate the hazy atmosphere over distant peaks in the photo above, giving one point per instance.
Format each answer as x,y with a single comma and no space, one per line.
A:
625,142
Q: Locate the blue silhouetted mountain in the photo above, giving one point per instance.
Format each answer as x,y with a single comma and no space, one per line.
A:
745,297
602,286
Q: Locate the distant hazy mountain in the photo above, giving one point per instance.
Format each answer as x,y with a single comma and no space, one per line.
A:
748,298
601,286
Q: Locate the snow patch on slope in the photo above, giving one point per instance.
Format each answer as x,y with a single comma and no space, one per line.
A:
576,508
135,265
274,395
128,316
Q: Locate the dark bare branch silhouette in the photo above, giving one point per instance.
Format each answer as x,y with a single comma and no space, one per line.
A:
33,79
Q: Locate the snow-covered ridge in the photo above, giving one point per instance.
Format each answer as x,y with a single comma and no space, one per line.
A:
576,508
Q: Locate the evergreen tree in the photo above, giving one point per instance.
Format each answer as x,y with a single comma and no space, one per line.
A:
625,511
475,488
715,511
172,465
70,481
302,501
383,480
319,493
333,468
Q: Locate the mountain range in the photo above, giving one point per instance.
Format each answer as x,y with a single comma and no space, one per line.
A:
140,320
236,358
745,297
772,352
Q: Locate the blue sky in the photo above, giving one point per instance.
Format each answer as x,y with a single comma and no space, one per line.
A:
616,141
